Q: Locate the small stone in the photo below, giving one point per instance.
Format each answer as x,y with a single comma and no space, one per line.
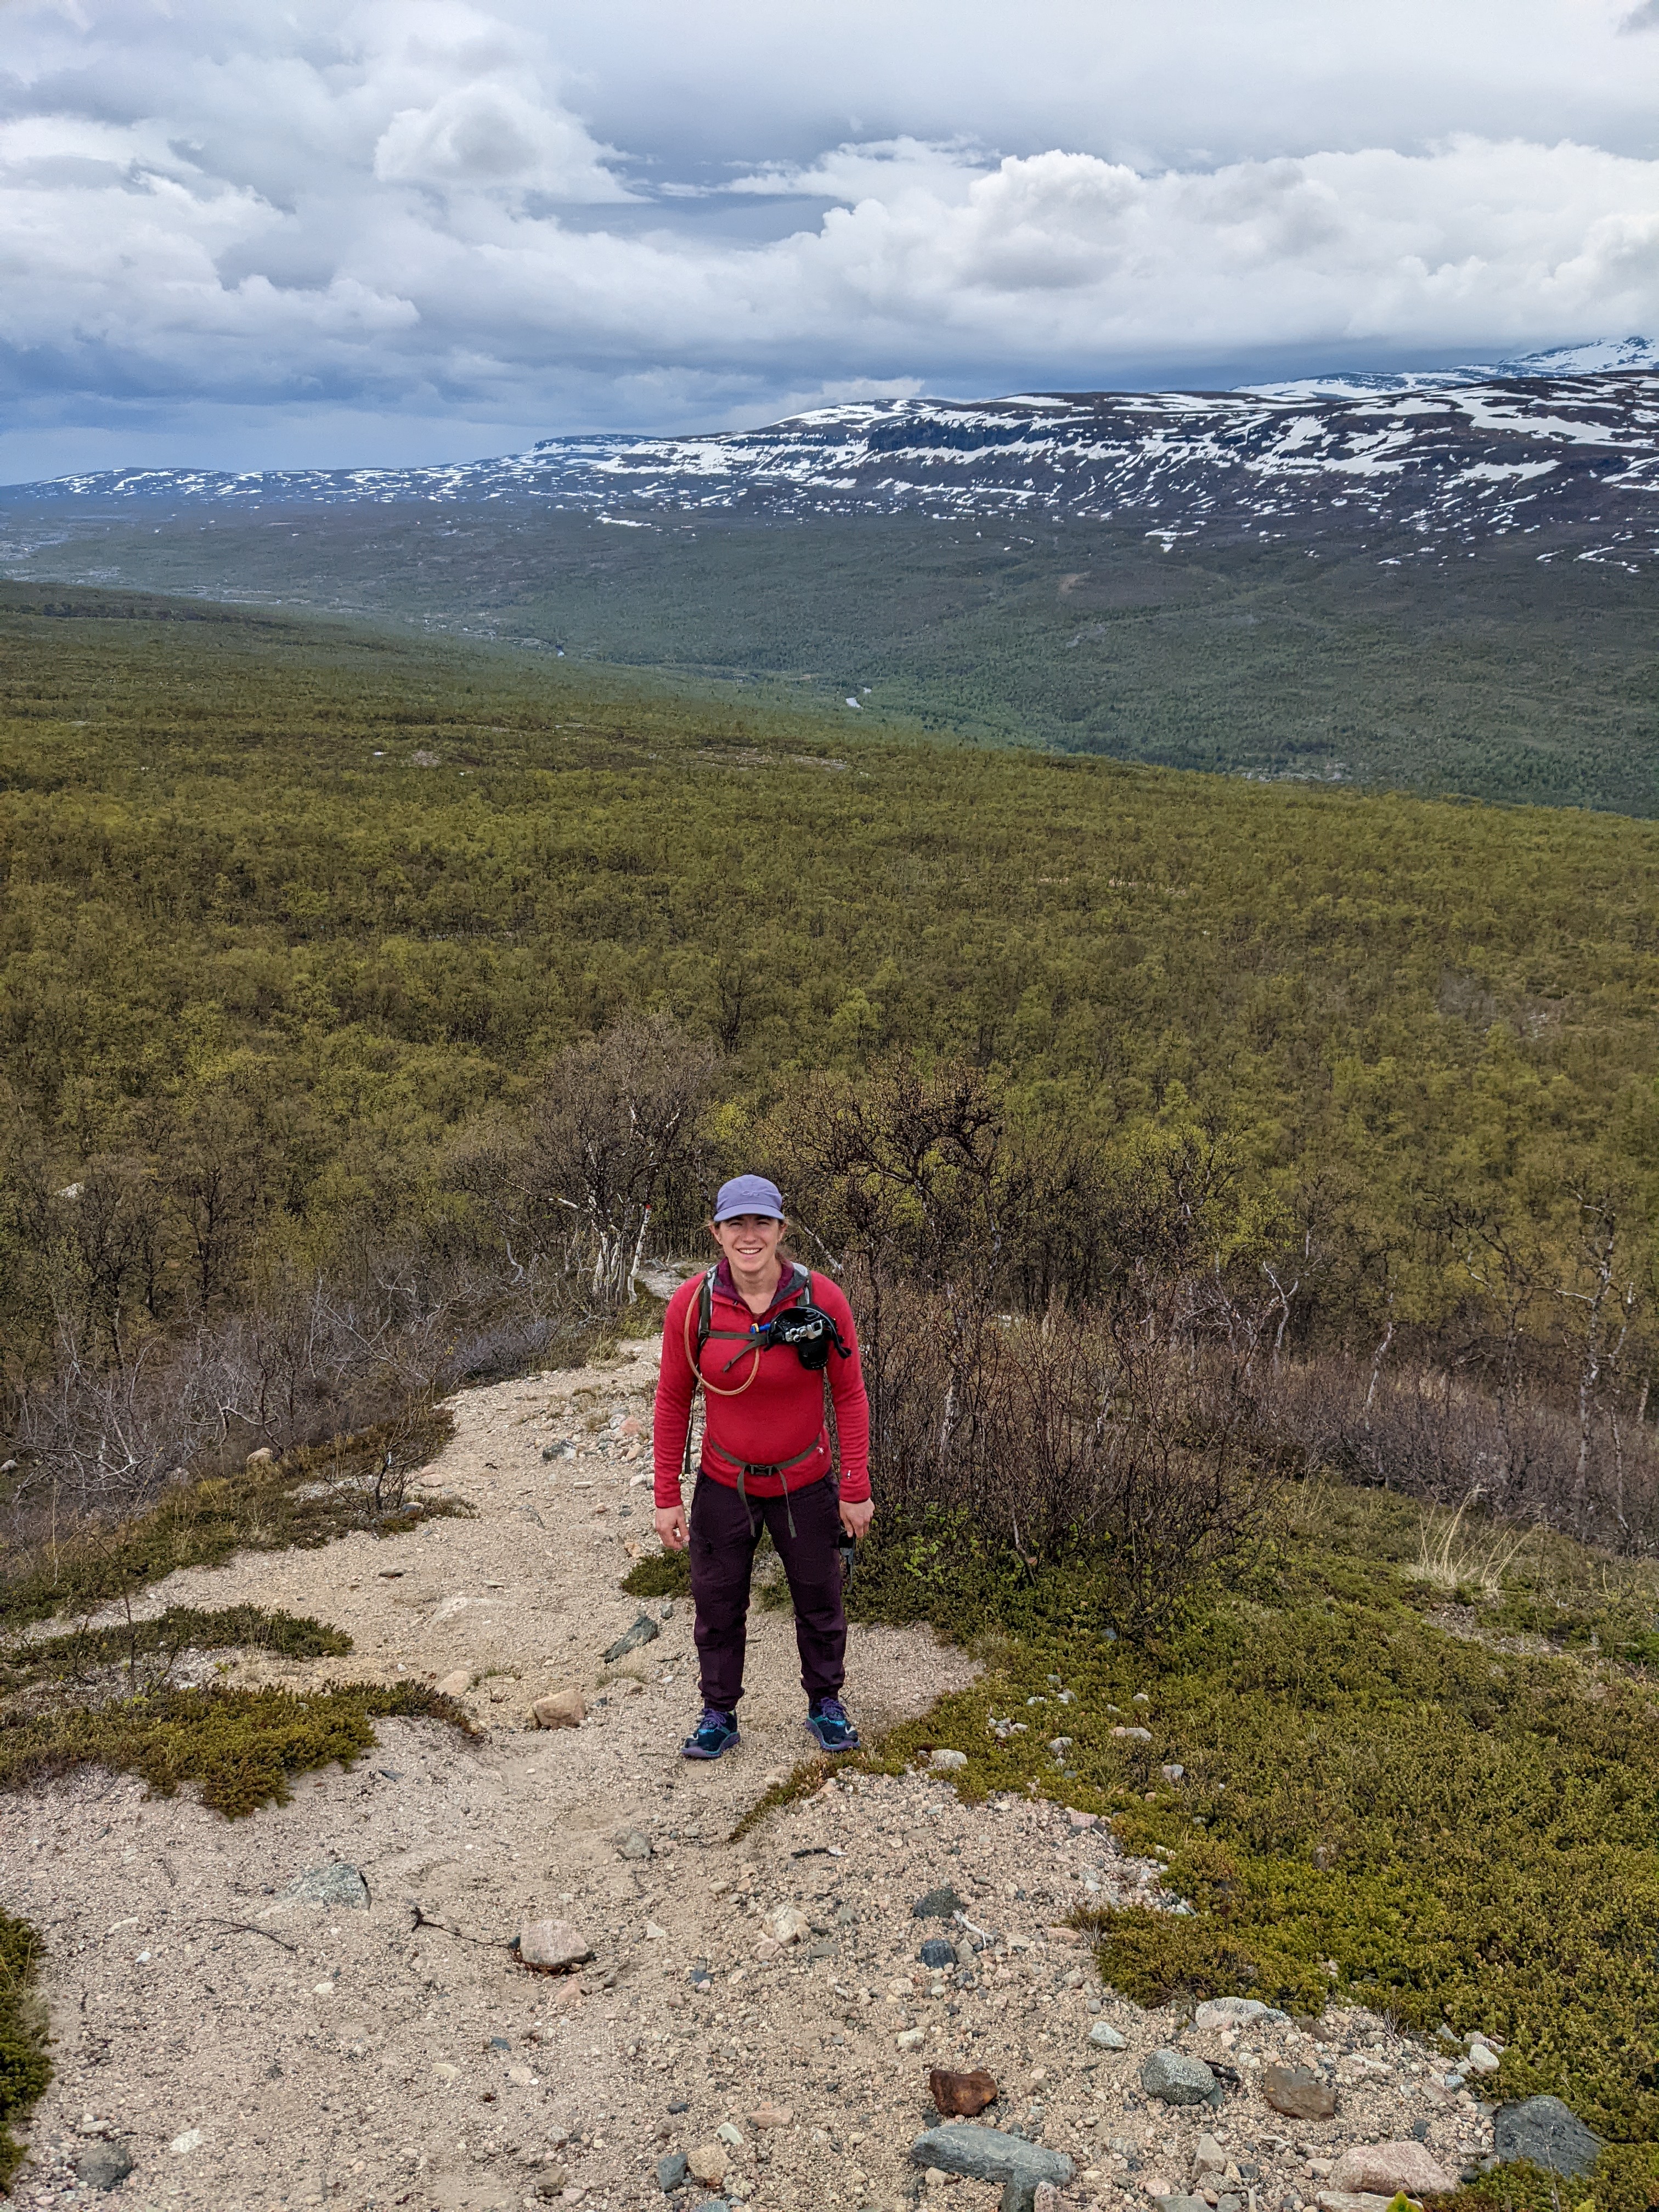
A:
707,2164
945,1761
635,1845
1235,2012
729,2135
1105,2037
1175,2201
446,2072
1387,2169
1482,2061
1135,1735
454,1686
560,1708
1179,2080
1546,2131
1209,2158
521,2077
938,1951
103,2164
1060,1745
937,1904
1299,2092
644,1630
552,1946
182,2146
339,1885
772,2116
988,2154
654,1933
1082,1820
672,2172
962,2096
1173,1773
264,1457
1063,1934
911,2038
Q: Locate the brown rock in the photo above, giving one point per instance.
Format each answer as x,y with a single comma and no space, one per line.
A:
1299,2092
960,2096
1384,2169
560,1709
707,2164
552,1947
456,1685
1064,1935
771,2116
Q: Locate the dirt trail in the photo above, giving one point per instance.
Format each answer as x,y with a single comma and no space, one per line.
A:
253,2052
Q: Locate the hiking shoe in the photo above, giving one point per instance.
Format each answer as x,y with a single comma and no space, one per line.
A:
826,1719
715,1732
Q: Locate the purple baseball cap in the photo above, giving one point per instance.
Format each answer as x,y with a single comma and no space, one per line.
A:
749,1194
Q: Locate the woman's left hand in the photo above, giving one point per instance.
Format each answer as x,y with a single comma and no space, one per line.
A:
856,1519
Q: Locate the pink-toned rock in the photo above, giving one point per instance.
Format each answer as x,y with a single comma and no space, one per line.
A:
1384,2169
552,1947
1064,1935
771,2116
561,1709
1082,1820
707,2163
632,1427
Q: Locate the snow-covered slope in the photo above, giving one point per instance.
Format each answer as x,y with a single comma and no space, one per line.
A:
1596,356
1566,438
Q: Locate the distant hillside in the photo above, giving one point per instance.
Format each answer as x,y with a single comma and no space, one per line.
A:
1557,440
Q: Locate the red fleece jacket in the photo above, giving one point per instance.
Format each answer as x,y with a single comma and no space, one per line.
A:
780,1413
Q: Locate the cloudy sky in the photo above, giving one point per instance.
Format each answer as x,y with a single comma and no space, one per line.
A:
247,235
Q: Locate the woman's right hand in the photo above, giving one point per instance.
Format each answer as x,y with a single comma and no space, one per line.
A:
671,1526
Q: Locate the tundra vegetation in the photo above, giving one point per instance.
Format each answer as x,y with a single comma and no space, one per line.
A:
1246,1193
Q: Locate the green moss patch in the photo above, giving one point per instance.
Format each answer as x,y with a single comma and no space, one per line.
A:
25,2068
1438,1827
85,1653
308,1499
660,1574
239,1747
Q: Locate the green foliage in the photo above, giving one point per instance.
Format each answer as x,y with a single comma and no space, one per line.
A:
1484,672
25,2068
201,1524
660,1574
1465,1831
84,1652
239,1747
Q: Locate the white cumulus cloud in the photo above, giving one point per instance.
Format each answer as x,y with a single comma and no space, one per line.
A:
445,211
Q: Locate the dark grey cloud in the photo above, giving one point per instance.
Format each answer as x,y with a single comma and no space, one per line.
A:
227,229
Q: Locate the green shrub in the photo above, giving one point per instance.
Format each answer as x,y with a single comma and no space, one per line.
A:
25,2068
238,1746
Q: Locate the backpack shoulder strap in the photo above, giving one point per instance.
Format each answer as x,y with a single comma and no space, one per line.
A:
705,1317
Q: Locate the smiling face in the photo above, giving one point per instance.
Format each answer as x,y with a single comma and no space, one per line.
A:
749,1242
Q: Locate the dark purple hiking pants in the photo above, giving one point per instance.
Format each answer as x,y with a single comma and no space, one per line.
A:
723,1534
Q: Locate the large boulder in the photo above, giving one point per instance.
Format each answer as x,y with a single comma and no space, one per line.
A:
988,2154
1545,2131
1177,2079
1387,2169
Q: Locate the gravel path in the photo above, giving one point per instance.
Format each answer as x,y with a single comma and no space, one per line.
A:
249,2049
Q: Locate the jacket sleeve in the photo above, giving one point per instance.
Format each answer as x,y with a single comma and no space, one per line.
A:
848,1395
674,1388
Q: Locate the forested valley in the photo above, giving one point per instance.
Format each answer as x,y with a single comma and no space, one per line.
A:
315,946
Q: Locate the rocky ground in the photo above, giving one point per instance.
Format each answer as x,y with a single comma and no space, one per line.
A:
247,2021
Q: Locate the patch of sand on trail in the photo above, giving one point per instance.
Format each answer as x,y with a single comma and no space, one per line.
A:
250,2052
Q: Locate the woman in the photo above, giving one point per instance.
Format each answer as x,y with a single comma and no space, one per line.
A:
739,1331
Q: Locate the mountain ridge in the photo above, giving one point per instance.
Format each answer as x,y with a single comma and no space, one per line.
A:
1546,440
